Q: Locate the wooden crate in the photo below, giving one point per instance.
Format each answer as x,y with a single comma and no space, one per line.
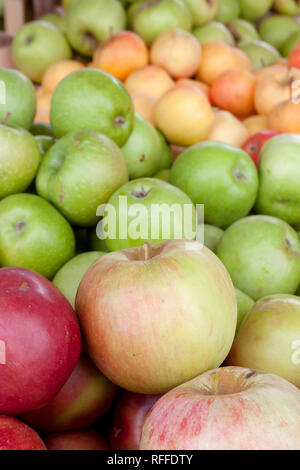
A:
17,12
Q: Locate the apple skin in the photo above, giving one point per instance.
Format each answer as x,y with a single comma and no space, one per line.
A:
86,439
129,417
212,236
231,408
244,304
85,397
255,143
34,235
37,364
276,29
243,31
262,255
252,9
266,338
19,160
289,45
185,336
221,177
229,10
92,99
279,172
213,31
31,43
165,154
163,175
294,57
89,168
287,7
202,11
90,22
20,99
261,53
15,435
45,142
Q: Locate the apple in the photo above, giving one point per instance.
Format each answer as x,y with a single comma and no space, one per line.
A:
36,46
142,150
95,243
56,72
255,143
285,117
163,175
290,44
149,210
18,105
129,417
221,177
34,235
151,18
86,439
40,340
231,408
68,3
19,160
181,314
57,18
213,31
165,154
276,29
212,236
261,254
92,99
261,53
15,435
202,11
45,142
196,83
79,173
85,397
294,56
255,124
252,9
41,128
279,193
228,129
244,305
68,278
228,11
287,7
243,31
90,22
150,80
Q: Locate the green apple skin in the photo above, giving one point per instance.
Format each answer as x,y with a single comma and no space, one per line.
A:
290,44
79,173
229,10
163,175
95,243
279,173
90,22
252,9
277,29
268,337
44,142
142,150
146,192
244,305
212,236
68,278
68,3
243,31
19,160
41,128
262,255
34,235
20,100
55,18
221,177
92,99
287,7
260,53
151,18
1,8
202,11
166,153
213,31
38,45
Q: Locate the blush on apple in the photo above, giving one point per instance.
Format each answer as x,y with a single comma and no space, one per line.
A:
15,435
255,143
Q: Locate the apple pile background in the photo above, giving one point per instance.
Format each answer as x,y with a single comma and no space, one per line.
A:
164,102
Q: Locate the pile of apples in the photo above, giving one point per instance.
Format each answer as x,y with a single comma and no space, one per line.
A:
142,342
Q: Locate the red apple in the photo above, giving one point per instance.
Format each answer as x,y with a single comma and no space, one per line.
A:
15,435
294,57
84,398
76,440
39,337
255,143
129,416
231,408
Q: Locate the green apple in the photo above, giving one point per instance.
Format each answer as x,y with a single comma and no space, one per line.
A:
243,31
287,7
244,305
229,10
38,45
142,150
1,8
163,175
260,53
92,99
212,236
220,176
269,338
90,22
79,173
41,128
279,171
68,3
68,278
34,235
262,255
150,210
202,11
166,153
277,29
17,97
290,44
19,160
57,19
213,31
151,18
254,9
44,142
95,243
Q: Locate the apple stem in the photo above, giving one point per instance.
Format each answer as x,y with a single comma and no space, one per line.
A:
145,254
6,118
216,384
